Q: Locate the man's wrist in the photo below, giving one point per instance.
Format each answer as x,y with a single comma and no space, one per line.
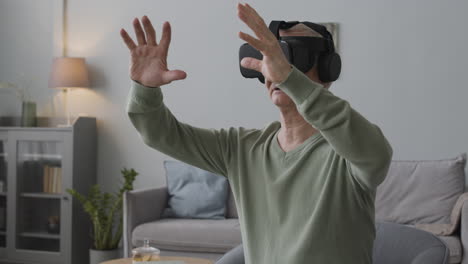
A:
286,74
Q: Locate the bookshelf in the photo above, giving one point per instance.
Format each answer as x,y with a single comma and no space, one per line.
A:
39,222
3,191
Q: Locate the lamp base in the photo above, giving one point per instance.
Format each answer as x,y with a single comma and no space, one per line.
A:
69,121
66,92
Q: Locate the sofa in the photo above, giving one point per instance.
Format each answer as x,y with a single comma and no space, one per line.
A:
428,195
204,238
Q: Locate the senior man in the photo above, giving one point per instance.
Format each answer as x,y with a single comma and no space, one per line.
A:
304,186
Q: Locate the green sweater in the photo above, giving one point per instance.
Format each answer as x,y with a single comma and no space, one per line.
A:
311,205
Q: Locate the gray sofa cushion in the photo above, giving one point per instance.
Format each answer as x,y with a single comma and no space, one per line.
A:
416,192
196,235
194,193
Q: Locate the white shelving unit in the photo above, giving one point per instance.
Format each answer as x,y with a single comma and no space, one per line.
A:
41,223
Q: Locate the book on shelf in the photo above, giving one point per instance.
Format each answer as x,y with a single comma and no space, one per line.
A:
59,181
52,179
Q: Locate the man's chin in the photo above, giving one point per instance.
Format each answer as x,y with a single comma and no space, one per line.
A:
281,101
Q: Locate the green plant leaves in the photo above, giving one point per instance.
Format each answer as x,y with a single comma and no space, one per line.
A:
105,210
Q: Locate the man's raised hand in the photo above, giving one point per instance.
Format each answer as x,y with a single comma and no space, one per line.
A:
148,64
274,66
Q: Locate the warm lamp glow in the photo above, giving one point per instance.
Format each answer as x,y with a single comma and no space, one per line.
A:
68,73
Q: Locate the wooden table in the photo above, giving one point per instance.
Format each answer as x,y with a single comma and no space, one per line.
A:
186,259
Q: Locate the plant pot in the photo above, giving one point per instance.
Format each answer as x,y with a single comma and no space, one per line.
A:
98,256
28,114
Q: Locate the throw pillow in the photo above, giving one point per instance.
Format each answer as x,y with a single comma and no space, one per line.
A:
420,192
194,193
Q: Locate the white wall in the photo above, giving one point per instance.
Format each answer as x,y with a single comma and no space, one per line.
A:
26,48
404,68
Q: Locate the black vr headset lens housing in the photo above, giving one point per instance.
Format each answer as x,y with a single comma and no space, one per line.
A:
248,51
301,51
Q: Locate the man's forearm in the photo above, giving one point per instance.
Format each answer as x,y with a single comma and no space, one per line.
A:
352,136
159,128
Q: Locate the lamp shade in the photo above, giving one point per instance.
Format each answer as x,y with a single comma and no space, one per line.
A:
67,72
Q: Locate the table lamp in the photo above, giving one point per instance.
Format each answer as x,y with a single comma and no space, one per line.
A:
67,73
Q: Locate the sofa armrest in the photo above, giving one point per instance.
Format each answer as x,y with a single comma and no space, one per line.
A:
141,206
464,232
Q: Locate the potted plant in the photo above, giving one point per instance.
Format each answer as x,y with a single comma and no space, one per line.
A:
105,211
28,107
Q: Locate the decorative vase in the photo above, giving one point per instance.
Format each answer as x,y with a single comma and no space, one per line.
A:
98,256
28,114
53,228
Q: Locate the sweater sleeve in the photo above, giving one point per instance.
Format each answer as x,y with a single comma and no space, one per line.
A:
208,149
361,143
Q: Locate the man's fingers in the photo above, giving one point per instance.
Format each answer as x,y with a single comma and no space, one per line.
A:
252,63
166,36
254,12
150,32
127,39
139,32
173,75
257,44
246,17
260,23
253,20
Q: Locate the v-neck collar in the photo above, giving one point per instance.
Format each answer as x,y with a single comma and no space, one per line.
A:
297,149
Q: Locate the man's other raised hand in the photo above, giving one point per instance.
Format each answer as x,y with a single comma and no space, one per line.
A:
148,63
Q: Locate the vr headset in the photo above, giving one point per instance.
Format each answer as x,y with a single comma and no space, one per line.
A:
301,51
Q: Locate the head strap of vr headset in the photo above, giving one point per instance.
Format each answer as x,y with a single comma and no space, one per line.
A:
276,25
